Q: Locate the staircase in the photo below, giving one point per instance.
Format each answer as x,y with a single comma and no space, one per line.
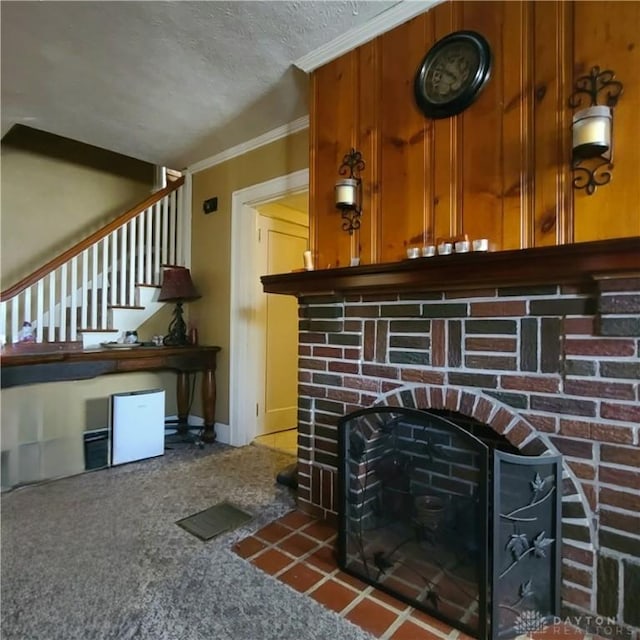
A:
104,285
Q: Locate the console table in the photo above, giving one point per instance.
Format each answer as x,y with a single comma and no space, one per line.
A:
57,366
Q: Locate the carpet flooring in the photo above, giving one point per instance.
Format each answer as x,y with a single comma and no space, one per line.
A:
99,556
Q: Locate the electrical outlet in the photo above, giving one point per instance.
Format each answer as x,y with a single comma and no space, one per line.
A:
210,205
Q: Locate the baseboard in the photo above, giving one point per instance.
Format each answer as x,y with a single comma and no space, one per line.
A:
223,433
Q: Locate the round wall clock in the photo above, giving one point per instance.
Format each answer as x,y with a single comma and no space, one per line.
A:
452,74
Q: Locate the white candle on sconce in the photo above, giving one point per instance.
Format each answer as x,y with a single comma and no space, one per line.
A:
346,192
592,132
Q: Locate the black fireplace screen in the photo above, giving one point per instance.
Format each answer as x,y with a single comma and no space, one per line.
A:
416,521
526,542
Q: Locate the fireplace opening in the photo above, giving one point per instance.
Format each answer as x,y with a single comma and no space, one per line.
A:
445,514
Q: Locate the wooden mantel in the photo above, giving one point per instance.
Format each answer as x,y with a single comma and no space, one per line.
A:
579,263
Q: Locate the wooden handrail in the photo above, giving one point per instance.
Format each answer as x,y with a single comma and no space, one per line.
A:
98,235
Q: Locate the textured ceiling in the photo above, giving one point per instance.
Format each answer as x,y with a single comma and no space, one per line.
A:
171,83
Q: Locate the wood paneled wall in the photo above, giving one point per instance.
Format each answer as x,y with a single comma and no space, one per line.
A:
502,168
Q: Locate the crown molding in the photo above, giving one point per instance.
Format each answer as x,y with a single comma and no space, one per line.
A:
255,143
396,15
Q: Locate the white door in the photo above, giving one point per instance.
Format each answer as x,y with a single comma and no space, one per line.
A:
282,245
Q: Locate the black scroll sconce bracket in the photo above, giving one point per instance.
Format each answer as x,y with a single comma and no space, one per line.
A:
593,128
348,191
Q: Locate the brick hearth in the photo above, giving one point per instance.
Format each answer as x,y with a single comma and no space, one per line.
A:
300,551
548,367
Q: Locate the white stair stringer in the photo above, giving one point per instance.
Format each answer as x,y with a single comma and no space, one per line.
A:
123,319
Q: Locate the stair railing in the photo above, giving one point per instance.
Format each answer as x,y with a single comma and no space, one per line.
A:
74,291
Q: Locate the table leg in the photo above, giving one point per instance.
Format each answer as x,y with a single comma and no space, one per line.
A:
209,404
182,401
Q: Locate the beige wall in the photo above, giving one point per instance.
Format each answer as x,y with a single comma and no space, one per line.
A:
33,448
293,208
54,192
43,424
211,241
57,191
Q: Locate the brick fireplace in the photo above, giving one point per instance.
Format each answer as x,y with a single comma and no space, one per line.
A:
541,345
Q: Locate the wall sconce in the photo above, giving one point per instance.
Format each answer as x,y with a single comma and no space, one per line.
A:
592,129
348,191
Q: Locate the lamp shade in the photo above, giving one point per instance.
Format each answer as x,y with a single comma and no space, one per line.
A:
177,286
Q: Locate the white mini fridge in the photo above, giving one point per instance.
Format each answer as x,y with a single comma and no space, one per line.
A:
137,425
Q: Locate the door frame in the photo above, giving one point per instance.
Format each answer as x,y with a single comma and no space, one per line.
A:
243,338
298,231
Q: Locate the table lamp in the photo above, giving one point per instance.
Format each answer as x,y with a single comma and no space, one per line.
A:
177,287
